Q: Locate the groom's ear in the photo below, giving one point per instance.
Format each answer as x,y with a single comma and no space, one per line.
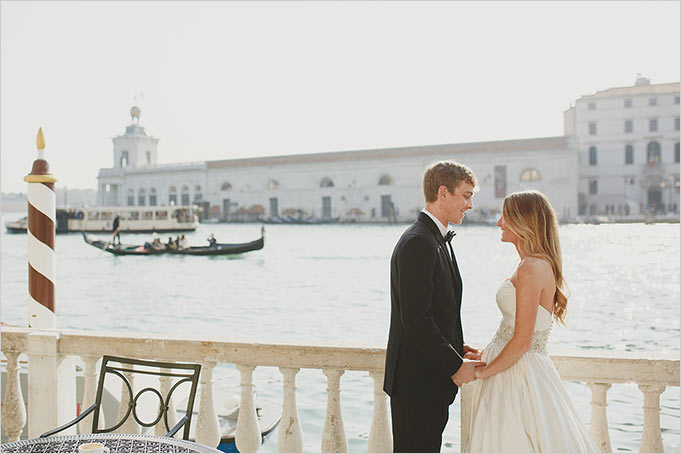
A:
442,192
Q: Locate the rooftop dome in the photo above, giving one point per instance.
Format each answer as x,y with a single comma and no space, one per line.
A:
640,80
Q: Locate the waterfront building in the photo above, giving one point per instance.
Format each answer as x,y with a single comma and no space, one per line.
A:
628,141
619,156
362,185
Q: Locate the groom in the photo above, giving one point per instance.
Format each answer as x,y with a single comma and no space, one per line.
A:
425,356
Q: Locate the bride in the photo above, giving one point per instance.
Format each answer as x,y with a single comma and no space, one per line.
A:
519,402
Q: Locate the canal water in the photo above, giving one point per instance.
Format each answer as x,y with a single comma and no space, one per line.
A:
329,285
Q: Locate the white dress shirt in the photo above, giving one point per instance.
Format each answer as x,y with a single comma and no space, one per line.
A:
442,227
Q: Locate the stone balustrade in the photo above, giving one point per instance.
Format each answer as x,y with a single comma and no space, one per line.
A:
599,371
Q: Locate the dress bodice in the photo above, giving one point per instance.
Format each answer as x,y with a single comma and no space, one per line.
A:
506,304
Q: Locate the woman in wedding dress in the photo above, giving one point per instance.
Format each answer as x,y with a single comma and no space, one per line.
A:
519,402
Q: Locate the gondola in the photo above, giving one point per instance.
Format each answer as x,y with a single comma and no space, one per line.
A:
217,249
123,249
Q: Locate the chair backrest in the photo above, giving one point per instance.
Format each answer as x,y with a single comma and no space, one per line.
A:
178,373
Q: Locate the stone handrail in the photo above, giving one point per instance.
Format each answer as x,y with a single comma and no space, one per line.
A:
48,350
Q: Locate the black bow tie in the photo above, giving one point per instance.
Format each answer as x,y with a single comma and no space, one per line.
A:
450,234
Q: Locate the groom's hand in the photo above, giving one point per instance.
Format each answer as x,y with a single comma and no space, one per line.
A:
466,372
472,353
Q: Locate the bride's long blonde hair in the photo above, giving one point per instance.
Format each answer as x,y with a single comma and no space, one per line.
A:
529,215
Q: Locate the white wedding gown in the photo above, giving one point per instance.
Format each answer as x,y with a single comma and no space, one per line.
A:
524,408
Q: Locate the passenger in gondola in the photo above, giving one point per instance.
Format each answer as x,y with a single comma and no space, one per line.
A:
212,242
171,244
183,242
157,245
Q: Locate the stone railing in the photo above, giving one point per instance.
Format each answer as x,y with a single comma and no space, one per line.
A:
51,384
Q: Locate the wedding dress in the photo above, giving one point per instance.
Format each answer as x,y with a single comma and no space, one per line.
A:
524,408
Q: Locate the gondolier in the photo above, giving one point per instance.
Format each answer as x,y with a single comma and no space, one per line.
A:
116,229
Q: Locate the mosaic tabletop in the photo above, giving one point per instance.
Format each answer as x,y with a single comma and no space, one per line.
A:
115,443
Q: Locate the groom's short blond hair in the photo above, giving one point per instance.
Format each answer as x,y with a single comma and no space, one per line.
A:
447,173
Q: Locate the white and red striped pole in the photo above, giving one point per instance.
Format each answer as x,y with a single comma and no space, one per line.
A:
41,229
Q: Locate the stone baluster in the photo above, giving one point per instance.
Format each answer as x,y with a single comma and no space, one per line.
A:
599,416
651,440
165,384
380,439
89,394
290,434
466,402
207,424
13,408
130,426
333,436
248,437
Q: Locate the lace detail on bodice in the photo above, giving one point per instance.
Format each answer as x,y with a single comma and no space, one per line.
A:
506,303
539,338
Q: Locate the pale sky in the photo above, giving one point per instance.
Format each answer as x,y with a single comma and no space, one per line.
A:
226,80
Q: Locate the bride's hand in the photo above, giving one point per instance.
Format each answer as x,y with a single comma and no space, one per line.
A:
472,353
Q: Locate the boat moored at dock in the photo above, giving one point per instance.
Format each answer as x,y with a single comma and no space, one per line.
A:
139,219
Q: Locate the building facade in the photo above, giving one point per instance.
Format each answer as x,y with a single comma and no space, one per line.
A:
362,185
628,142
619,156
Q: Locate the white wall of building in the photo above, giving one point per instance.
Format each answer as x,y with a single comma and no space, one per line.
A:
620,183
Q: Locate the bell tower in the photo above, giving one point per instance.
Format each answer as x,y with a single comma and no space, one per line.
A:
135,148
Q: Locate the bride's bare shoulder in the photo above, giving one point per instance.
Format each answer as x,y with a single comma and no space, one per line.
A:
535,268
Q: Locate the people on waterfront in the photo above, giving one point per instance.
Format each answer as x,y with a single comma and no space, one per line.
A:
426,358
519,404
116,229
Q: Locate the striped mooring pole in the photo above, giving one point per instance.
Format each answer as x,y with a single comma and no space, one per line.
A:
41,229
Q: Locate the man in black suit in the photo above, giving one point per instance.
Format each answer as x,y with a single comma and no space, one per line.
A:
426,359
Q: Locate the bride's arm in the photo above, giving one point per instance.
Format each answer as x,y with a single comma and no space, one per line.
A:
528,290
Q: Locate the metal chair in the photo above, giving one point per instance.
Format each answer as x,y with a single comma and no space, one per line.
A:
185,373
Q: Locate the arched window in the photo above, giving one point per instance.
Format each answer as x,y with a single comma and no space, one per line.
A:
152,197
198,195
185,195
273,184
326,183
124,159
653,154
226,186
148,157
172,196
593,156
142,197
530,175
131,197
386,180
676,152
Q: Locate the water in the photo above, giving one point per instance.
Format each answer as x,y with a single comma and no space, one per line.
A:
329,285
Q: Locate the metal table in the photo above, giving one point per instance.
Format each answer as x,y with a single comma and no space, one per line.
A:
114,441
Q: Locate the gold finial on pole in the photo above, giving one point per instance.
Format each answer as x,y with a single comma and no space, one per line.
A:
40,172
40,140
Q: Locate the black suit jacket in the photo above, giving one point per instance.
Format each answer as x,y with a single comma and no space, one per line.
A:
425,318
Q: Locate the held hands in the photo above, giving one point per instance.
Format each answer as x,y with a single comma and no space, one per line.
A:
472,353
467,372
